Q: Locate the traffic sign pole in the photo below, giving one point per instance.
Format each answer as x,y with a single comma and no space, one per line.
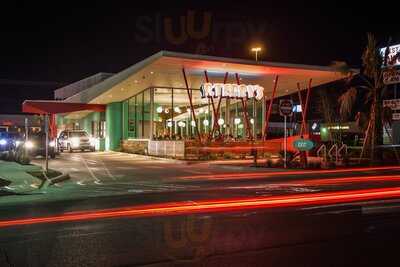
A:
285,143
285,109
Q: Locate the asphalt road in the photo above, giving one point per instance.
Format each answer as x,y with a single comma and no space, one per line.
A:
125,210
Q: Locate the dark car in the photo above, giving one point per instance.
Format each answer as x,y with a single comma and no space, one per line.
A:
36,145
9,140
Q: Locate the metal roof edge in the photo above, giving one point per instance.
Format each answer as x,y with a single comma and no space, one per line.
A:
103,86
250,62
125,73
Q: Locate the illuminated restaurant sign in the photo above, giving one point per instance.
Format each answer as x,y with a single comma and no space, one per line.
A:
228,90
393,58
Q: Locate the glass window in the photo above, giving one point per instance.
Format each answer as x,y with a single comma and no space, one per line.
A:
146,125
102,129
162,116
95,129
139,116
132,118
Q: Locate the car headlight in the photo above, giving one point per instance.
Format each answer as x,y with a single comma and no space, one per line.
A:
3,142
52,144
75,141
93,141
29,144
17,143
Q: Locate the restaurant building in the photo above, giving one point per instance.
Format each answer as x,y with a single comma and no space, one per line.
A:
171,101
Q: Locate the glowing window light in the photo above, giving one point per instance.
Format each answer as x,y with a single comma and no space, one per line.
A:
206,122
221,121
177,109
237,121
252,121
159,109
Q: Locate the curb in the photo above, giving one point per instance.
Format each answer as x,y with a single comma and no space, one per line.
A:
61,178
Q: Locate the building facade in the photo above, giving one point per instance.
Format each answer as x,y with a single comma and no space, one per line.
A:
170,99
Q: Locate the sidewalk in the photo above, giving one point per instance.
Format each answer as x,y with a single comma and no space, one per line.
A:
20,180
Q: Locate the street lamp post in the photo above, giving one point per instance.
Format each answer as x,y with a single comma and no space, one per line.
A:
256,50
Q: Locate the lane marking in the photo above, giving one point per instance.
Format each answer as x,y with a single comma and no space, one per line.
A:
90,171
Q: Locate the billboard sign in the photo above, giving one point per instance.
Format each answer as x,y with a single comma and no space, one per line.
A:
393,56
391,76
393,104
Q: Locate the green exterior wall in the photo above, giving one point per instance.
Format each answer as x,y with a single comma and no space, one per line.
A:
86,122
113,126
125,122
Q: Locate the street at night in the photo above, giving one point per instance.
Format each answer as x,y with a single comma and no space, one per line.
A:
201,213
199,133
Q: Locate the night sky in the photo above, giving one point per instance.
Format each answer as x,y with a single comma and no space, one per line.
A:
45,46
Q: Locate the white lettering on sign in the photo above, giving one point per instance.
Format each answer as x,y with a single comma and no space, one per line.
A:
396,116
391,77
231,90
393,58
393,104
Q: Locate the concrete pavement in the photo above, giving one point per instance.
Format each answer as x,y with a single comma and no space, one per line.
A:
108,183
100,176
20,181
107,174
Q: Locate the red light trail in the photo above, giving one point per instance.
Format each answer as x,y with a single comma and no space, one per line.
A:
343,180
232,176
204,206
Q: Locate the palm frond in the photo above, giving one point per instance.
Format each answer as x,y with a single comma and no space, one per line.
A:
370,58
346,102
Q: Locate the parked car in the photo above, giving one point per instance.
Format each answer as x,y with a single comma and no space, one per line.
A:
71,140
36,145
10,140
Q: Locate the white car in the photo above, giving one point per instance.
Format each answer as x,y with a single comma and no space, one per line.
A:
71,140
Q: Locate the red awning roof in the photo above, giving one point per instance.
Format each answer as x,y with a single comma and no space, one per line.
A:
53,107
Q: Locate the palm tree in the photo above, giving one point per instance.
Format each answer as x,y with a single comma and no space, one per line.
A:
372,87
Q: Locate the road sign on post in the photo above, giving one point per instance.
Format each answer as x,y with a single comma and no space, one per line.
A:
285,109
391,76
303,144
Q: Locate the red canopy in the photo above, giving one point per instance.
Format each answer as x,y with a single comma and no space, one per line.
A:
53,107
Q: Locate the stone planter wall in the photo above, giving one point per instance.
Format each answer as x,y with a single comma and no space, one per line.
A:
137,146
